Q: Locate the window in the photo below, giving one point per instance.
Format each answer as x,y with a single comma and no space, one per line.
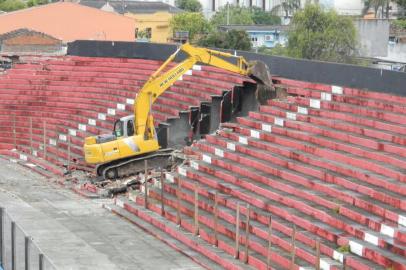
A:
149,32
130,128
118,128
254,39
136,33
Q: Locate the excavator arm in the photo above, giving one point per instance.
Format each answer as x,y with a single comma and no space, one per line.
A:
161,81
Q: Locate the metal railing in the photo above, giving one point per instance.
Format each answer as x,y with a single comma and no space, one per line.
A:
17,249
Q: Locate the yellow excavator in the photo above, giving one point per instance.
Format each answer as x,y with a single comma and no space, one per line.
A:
134,137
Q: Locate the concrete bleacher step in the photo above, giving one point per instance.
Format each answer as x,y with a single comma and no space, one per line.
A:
298,204
35,163
301,122
379,140
386,141
364,93
325,147
370,220
33,167
347,116
335,173
283,242
387,106
206,231
334,165
302,164
286,163
216,255
163,236
355,155
275,208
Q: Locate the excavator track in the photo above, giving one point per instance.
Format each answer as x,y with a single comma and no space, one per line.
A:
122,168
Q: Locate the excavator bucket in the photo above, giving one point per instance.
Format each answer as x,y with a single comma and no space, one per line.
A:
259,72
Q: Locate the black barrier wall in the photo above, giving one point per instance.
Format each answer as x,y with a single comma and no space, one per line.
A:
313,71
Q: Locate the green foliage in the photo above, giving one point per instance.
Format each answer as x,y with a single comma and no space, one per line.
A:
400,24
287,6
193,22
259,16
233,39
142,34
321,35
189,5
344,249
237,15
31,3
401,3
278,50
11,5
244,16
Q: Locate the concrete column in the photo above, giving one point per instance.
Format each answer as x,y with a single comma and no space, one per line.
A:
2,246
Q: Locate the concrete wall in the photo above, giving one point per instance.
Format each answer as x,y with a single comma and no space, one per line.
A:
35,49
31,43
396,52
349,7
373,36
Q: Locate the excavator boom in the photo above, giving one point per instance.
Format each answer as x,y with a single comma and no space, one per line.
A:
158,83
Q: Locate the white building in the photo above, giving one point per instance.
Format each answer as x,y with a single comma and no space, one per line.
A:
344,7
211,6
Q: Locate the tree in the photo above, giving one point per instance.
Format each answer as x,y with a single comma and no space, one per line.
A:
233,39
235,15
189,5
402,4
376,5
287,6
11,5
321,35
31,3
193,22
259,16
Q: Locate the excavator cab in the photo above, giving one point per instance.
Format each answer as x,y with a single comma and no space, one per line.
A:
124,127
118,130
106,147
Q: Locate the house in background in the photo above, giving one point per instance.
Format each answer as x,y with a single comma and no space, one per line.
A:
68,21
151,18
262,35
28,41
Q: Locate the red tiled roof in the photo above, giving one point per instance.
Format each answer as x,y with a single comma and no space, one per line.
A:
70,21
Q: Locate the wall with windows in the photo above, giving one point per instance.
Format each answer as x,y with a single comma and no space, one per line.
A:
209,7
268,39
349,7
155,24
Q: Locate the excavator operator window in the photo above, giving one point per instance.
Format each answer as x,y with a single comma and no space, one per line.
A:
130,128
118,128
